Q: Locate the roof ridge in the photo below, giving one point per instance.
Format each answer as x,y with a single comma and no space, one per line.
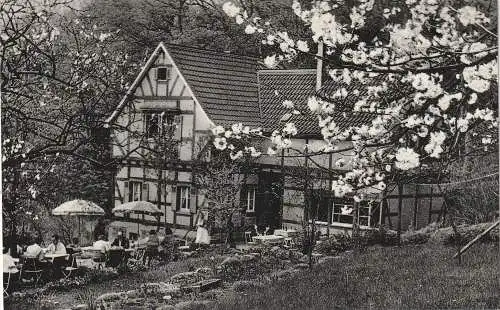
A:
287,71
231,54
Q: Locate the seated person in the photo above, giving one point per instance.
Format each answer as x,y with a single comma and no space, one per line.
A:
9,269
34,249
121,241
56,247
75,243
101,244
152,244
9,265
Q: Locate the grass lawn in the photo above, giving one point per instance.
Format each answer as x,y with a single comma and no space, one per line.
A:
410,277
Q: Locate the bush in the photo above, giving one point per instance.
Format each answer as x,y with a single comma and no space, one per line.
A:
336,244
382,235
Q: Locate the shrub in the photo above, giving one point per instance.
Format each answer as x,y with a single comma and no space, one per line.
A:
383,235
336,244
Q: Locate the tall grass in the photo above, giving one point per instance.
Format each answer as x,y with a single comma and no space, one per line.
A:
413,277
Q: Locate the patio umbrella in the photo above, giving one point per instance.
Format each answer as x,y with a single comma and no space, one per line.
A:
138,207
78,208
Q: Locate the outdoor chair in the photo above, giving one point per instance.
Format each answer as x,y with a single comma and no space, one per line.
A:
32,269
72,266
100,259
184,247
289,243
7,280
137,257
248,238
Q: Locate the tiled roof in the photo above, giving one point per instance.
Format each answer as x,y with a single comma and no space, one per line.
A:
224,84
276,86
231,89
345,117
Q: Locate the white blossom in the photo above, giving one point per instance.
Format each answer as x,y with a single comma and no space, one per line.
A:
270,61
237,155
434,148
302,46
288,104
470,15
313,105
230,9
220,143
407,158
250,29
216,130
290,129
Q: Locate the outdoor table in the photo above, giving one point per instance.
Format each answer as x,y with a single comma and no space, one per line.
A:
291,233
57,261
54,256
271,239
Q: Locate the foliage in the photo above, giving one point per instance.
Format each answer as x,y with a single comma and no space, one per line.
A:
335,244
475,201
200,23
220,181
429,75
59,74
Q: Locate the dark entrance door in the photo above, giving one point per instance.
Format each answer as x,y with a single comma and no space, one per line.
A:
268,200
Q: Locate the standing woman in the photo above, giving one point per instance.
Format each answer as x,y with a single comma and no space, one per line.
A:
202,236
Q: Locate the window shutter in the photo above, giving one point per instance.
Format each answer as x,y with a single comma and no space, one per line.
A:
126,192
145,192
178,199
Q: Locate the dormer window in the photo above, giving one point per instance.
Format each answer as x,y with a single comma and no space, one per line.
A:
162,74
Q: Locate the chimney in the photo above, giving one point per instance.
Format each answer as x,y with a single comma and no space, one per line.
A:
319,66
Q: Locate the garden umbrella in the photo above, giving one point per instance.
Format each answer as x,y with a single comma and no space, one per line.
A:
78,208
138,207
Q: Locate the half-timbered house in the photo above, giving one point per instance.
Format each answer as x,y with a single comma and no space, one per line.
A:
192,90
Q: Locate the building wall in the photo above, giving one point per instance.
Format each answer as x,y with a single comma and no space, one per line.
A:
171,96
194,126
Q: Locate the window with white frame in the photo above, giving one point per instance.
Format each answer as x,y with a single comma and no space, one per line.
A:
137,191
341,214
183,198
157,123
250,200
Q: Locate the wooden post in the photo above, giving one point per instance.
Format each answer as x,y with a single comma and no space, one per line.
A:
330,200
400,208
468,245
415,208
430,205
282,202
319,66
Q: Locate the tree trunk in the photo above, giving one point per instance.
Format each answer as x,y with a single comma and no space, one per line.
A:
158,197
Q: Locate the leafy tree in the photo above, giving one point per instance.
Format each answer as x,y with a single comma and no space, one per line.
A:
430,70
220,181
59,75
